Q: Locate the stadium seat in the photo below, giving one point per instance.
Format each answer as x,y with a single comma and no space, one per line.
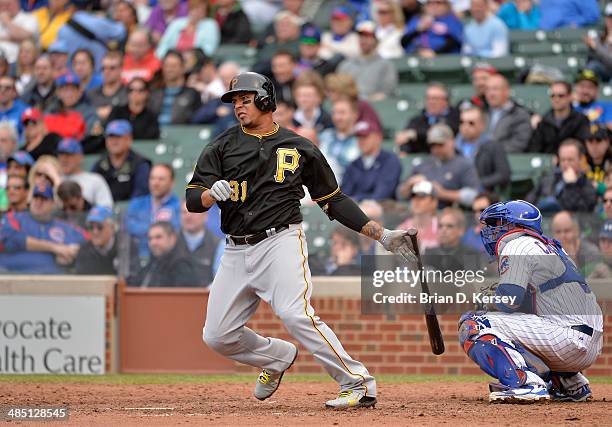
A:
517,37
534,49
317,227
533,97
413,92
240,53
445,68
394,113
407,69
184,145
526,170
460,92
158,151
509,66
567,35
188,140
606,93
569,64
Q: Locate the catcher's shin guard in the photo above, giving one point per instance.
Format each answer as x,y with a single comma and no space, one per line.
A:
497,356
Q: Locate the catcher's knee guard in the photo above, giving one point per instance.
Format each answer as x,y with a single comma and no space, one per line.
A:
494,354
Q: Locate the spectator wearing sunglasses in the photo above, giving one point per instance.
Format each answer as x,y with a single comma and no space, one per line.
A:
11,108
599,156
603,270
17,189
141,118
561,122
471,237
19,163
38,140
389,26
74,205
489,157
104,253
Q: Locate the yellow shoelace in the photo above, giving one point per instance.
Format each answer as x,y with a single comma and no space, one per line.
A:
264,377
345,393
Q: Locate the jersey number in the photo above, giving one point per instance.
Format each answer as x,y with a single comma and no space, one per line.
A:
239,191
287,159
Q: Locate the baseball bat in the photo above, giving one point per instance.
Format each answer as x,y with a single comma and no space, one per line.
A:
433,327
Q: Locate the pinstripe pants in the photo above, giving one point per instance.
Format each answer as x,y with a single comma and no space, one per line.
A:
563,349
275,271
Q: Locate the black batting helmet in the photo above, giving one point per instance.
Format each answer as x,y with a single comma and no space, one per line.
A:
265,99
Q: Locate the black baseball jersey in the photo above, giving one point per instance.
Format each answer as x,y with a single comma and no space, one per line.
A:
266,174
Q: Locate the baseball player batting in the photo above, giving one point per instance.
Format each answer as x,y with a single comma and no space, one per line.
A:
537,345
255,172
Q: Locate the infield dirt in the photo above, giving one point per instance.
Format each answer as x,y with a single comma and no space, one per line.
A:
436,403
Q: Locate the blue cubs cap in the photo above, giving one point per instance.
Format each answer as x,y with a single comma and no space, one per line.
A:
44,190
606,230
99,214
341,12
310,34
119,127
58,46
69,146
67,80
23,158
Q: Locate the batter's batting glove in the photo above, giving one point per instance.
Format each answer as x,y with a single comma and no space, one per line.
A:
396,241
220,191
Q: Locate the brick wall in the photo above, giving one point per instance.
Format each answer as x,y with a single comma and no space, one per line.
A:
393,345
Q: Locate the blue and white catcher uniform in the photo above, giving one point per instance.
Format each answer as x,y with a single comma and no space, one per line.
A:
537,346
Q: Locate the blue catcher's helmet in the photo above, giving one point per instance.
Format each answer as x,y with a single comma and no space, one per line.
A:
500,217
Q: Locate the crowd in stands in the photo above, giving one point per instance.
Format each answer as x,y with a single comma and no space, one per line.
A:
81,78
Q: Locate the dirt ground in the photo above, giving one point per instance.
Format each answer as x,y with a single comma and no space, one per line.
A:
298,404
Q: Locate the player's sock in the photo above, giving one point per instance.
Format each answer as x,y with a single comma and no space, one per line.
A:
533,378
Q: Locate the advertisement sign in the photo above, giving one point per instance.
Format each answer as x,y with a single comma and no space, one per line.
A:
52,334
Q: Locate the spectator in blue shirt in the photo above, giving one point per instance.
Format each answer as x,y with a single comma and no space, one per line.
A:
339,144
586,90
160,205
436,31
91,32
568,13
11,108
376,173
471,237
83,65
520,15
485,35
34,241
